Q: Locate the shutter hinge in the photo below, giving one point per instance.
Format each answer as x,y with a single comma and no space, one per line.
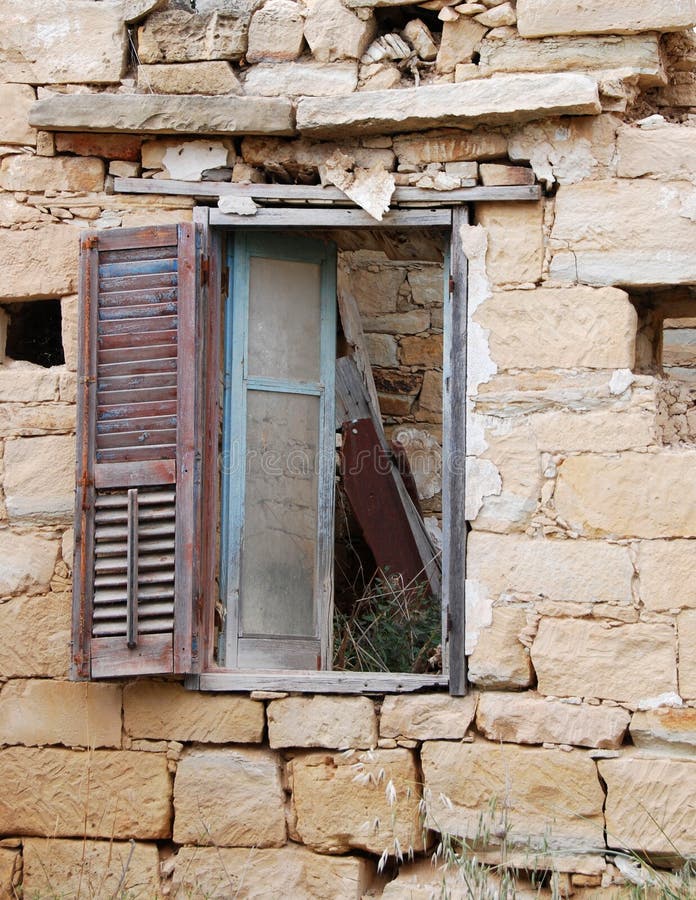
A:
205,270
451,285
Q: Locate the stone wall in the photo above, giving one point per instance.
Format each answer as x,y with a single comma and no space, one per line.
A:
578,738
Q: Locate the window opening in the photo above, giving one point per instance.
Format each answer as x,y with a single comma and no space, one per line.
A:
34,332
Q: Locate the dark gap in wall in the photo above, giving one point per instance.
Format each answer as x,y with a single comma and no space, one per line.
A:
34,332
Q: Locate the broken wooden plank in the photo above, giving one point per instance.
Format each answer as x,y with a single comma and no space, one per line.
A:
313,217
352,329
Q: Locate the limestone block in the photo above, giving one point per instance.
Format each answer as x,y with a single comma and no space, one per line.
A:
167,711
499,174
430,397
461,38
665,731
335,812
560,327
595,430
334,32
426,717
449,146
178,35
646,495
668,151
28,563
498,100
15,100
424,455
600,238
276,31
505,51
577,658
419,36
10,871
106,868
27,382
421,351
108,146
515,234
40,629
14,213
302,158
157,114
189,160
42,712
551,798
686,629
220,872
72,41
427,285
215,77
229,797
101,793
57,173
509,565
311,79
665,570
649,804
40,478
381,348
499,659
44,418
536,18
334,722
38,263
412,322
375,289
531,719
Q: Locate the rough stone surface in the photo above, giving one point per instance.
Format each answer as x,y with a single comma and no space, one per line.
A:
524,568
436,717
108,146
72,41
536,18
301,159
153,114
665,731
449,146
561,328
38,263
594,671
101,793
28,563
646,495
40,629
219,872
15,100
166,711
668,151
229,797
276,31
335,813
595,430
649,804
333,722
214,77
665,570
686,628
10,871
40,173
460,39
311,79
530,719
424,458
179,35
334,32
515,252
499,659
28,382
600,239
40,712
40,479
94,868
550,798
503,98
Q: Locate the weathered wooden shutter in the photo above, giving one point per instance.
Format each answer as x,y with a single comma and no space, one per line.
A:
135,521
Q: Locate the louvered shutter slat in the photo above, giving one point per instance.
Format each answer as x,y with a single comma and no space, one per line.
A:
135,508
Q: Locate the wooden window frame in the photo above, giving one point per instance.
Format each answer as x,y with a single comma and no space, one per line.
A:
210,224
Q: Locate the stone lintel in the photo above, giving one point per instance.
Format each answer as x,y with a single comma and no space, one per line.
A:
164,114
493,101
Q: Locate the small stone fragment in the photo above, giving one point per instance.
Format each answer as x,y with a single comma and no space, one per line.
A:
418,35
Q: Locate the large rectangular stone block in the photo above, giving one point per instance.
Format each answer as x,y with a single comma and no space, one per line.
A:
70,793
449,146
649,495
40,642
560,328
15,101
542,798
229,798
515,241
666,574
536,18
166,711
90,868
332,722
650,804
56,173
68,41
40,479
40,712
497,100
38,263
28,561
667,151
577,658
427,717
665,731
625,233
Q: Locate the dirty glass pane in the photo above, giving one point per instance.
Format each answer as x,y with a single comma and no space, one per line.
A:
284,319
279,545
